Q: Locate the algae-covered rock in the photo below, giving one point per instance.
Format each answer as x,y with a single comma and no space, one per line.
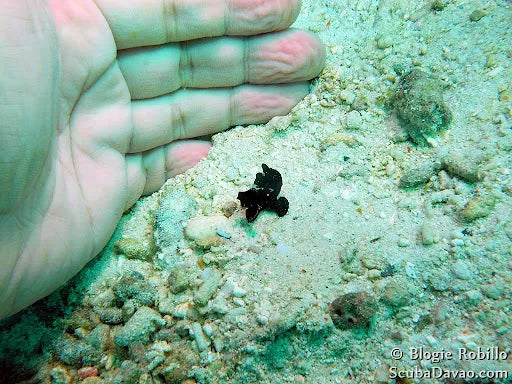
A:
476,15
207,288
353,310
419,104
133,286
462,165
418,174
428,233
398,293
133,249
179,279
74,352
139,328
477,207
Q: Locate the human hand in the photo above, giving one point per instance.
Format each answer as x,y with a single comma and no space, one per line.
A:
93,100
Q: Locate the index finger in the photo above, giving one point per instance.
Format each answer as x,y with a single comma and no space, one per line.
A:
137,23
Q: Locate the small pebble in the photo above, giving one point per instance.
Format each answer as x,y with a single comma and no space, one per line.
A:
348,96
235,313
476,15
461,270
397,294
410,270
403,242
208,330
427,233
208,288
457,242
474,296
203,230
492,291
201,340
228,287
477,207
431,340
416,175
220,305
239,292
373,274
180,310
440,280
283,249
139,328
179,279
354,120
239,302
384,41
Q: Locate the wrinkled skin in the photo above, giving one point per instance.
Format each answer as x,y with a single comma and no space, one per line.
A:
99,100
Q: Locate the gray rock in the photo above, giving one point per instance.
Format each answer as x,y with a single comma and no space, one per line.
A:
99,336
139,328
418,174
462,166
492,291
208,288
75,352
420,107
440,280
461,270
398,293
111,315
179,279
134,286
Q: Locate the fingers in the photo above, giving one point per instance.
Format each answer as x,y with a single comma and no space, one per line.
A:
147,171
179,20
282,57
196,112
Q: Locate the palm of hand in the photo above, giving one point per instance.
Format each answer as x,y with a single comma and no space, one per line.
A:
109,136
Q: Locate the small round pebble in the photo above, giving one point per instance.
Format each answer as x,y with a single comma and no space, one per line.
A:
477,207
208,330
354,120
239,292
384,41
427,233
461,270
476,15
403,242
262,319
373,274
492,291
457,242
